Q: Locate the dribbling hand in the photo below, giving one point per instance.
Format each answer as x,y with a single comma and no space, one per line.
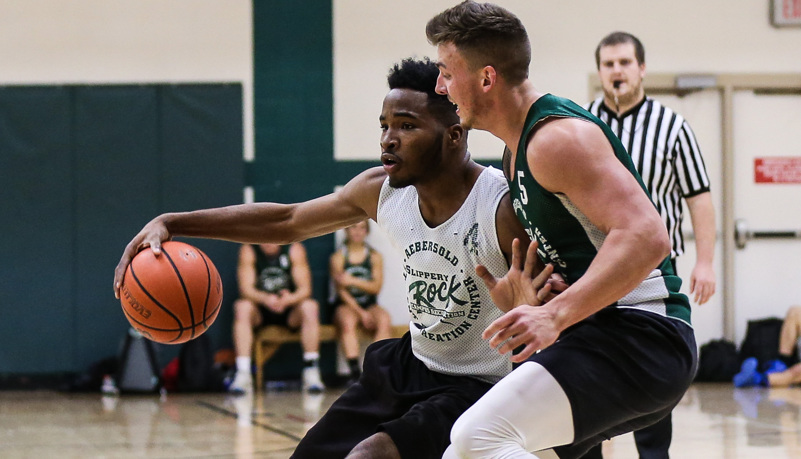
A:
152,235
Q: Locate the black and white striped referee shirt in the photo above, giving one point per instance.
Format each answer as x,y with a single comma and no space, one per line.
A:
663,148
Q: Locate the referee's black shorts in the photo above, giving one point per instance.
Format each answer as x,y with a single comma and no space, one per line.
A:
396,394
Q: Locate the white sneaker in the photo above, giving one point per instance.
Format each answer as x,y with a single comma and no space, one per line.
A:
242,384
311,380
109,387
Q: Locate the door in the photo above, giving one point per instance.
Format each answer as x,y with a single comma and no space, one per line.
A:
767,271
702,109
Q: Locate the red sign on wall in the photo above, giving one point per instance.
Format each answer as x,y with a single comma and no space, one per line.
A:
784,169
784,13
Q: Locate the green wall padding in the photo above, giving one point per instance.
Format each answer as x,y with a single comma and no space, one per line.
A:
84,168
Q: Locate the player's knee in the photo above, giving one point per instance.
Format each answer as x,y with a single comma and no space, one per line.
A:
310,310
243,310
347,324
383,319
474,437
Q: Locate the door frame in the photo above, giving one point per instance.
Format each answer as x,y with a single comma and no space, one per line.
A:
682,84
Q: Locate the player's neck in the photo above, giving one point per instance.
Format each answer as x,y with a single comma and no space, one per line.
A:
356,247
510,112
441,198
356,252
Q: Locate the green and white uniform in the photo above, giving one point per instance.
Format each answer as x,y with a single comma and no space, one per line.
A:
274,274
566,237
621,369
361,270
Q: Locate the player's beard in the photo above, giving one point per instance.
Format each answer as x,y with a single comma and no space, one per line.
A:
429,163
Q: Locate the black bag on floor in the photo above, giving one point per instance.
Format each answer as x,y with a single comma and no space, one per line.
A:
196,369
138,371
762,340
718,361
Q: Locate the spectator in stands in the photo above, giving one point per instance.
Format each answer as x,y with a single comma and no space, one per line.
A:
357,273
275,288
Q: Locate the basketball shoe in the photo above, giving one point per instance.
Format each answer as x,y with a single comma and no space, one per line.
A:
311,380
242,383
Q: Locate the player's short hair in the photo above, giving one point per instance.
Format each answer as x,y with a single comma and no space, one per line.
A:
618,38
421,75
485,34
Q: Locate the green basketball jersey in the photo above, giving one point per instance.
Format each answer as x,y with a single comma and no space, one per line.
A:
567,239
274,272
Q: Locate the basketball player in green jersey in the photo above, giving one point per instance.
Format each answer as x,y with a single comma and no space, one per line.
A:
615,351
275,288
358,274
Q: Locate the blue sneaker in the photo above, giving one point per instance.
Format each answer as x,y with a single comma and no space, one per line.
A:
775,366
748,375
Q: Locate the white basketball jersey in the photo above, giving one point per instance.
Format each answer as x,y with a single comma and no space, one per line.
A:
449,304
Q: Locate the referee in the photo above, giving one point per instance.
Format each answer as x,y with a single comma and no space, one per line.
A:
663,148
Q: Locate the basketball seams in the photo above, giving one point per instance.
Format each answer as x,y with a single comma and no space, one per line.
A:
151,327
167,318
208,288
157,303
186,292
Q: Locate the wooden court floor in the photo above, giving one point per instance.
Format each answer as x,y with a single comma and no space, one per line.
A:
713,421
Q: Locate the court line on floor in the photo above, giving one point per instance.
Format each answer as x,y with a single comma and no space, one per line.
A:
252,421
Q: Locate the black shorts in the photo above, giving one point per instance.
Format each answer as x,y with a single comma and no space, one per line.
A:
271,318
622,370
396,394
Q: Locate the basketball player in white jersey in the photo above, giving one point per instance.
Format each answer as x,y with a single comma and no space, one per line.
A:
447,215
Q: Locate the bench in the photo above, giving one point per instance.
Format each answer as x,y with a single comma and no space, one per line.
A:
268,339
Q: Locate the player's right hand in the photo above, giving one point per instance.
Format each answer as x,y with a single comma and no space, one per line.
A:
152,235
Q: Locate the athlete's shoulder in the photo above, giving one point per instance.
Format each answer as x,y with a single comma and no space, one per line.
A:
369,178
364,190
495,175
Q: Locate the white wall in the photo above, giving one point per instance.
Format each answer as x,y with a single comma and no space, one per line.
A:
129,41
679,36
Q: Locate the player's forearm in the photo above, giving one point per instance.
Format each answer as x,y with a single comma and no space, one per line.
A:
244,223
254,294
301,293
368,286
348,300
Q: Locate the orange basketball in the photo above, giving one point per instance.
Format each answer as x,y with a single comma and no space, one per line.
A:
174,297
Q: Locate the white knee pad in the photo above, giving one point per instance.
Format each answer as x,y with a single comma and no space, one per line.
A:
526,411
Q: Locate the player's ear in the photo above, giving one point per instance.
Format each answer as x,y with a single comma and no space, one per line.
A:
489,77
456,134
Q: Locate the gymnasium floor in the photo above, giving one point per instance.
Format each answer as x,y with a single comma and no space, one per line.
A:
714,421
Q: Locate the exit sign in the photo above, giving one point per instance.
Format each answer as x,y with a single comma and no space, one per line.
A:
785,13
783,169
